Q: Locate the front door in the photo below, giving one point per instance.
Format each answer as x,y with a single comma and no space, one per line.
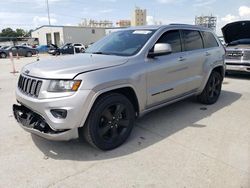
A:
167,76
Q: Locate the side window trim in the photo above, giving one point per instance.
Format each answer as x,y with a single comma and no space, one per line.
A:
183,39
203,42
215,39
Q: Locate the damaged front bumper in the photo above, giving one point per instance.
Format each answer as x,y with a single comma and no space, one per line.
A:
34,123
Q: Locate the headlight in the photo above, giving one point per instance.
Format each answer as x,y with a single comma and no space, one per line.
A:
64,85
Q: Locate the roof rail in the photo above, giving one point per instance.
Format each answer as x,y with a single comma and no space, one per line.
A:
178,24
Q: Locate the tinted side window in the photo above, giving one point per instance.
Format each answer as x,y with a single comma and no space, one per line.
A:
192,40
209,40
172,38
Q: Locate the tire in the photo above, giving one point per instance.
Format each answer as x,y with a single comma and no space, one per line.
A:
29,54
3,55
212,90
110,122
82,50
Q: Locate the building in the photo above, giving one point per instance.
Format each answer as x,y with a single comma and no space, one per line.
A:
94,23
123,23
139,17
60,35
206,21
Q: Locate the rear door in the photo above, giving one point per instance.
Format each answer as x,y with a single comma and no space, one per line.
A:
195,58
212,51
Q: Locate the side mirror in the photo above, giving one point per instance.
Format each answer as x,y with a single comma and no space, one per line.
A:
160,49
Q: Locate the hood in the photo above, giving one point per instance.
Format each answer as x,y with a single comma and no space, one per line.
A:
67,67
236,31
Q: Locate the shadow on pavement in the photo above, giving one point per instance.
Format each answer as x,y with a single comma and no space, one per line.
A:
167,121
238,75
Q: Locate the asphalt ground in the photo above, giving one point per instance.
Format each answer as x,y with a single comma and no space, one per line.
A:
186,144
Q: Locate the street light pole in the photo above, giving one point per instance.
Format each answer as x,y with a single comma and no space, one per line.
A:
47,1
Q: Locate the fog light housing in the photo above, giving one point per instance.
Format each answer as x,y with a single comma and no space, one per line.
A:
59,113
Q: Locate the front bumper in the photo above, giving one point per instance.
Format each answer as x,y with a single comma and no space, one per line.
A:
77,106
34,123
241,68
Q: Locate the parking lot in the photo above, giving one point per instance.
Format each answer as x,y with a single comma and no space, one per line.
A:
185,144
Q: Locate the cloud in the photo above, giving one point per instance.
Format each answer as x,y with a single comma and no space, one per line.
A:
43,20
111,1
202,3
229,18
104,11
150,20
244,12
166,1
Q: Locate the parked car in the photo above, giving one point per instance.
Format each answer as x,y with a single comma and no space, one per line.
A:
98,94
42,48
68,48
45,48
237,38
3,53
4,47
80,48
20,50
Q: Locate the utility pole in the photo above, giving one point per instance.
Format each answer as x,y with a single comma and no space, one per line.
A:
47,1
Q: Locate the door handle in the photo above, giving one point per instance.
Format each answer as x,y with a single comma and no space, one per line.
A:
208,54
181,59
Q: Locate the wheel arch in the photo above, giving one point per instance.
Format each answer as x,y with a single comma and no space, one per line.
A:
220,69
126,90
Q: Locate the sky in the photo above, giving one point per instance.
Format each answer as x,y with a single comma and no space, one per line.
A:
30,14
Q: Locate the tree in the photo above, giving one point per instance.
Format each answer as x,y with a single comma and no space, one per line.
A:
8,32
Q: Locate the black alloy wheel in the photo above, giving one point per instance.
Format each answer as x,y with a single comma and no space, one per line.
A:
110,122
212,90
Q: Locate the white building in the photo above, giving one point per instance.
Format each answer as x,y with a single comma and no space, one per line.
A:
60,35
96,23
206,21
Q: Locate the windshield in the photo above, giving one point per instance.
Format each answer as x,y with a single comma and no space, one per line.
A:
240,41
121,43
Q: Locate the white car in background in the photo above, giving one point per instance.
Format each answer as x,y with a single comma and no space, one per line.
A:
79,46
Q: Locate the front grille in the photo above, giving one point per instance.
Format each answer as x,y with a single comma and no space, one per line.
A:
29,86
236,55
246,55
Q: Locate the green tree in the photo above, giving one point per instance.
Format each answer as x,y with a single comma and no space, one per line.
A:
20,33
8,32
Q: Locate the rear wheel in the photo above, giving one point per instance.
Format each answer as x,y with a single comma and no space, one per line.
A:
3,55
110,122
212,91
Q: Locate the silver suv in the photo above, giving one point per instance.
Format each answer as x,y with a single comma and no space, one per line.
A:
97,95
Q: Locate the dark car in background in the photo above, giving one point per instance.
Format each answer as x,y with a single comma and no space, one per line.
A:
18,50
68,48
237,38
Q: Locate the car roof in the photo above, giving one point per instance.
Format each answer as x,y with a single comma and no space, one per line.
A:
174,25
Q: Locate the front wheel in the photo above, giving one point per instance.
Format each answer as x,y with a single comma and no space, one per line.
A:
110,122
212,90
